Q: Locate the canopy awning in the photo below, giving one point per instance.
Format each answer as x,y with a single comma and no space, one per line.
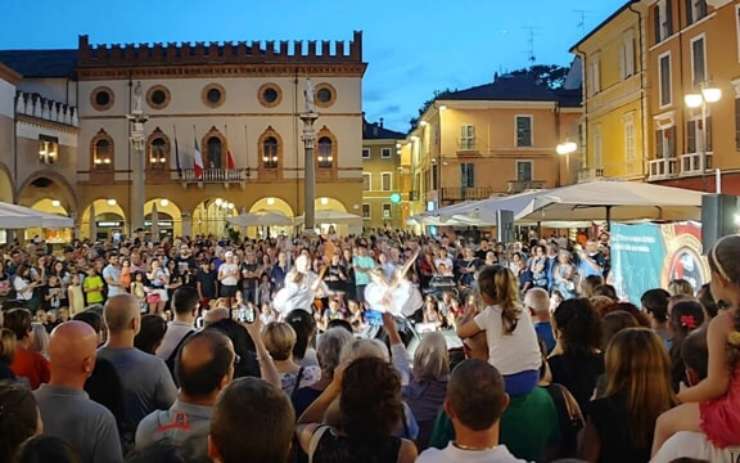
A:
260,219
14,217
328,217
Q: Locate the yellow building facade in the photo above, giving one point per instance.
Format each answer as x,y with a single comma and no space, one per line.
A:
238,103
694,45
494,139
384,194
615,101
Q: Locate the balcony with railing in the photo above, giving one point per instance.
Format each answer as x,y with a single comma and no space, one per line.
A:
662,168
467,145
214,176
586,175
518,186
465,194
695,163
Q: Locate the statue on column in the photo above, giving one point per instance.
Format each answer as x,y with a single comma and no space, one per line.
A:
309,95
138,105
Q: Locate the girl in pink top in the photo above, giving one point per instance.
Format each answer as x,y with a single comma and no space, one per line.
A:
713,405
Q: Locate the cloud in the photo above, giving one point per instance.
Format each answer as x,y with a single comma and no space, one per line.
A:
391,109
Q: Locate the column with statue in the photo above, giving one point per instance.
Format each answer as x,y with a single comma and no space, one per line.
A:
137,136
309,117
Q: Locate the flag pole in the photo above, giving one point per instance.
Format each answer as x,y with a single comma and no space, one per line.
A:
177,153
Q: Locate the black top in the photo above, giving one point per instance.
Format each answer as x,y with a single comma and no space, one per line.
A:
334,448
5,371
611,419
243,346
207,281
578,373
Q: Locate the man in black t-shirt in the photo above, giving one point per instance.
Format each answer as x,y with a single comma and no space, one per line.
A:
205,283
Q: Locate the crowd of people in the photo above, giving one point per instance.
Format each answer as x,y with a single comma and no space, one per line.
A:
384,347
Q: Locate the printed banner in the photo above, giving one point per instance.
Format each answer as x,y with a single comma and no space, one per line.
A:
647,256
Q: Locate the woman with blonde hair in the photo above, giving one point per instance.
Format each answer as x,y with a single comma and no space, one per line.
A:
638,389
512,340
279,339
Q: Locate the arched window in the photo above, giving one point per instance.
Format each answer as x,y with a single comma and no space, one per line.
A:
159,151
270,153
326,152
213,153
101,152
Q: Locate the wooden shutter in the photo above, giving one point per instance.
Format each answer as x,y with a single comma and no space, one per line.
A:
691,137
669,17
656,23
689,11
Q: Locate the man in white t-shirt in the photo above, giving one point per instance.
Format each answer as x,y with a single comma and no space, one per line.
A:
475,402
228,277
112,276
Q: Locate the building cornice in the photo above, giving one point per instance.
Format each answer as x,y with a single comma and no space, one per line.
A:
45,123
221,70
9,75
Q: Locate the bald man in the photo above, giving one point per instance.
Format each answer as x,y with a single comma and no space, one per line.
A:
205,366
146,380
66,409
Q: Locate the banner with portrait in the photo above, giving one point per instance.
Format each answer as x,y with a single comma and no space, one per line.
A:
649,255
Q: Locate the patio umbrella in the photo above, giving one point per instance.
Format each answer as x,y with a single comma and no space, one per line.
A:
613,200
13,216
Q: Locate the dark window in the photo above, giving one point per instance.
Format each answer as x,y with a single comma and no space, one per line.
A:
697,49
665,143
214,152
214,95
434,177
709,134
691,136
102,158
270,95
270,153
668,25
158,97
158,158
656,23
523,171
523,131
324,95
737,124
102,98
326,155
366,211
695,10
665,80
467,175
387,211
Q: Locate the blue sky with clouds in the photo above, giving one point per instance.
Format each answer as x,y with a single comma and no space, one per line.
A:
413,47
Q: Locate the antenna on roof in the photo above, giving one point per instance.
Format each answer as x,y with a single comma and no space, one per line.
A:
582,14
531,56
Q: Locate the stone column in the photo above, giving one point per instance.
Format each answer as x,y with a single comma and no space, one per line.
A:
309,177
187,224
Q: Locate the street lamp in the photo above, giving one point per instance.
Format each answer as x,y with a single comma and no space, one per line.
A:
708,95
565,149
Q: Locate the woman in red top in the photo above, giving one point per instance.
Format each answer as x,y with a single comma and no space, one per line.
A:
26,363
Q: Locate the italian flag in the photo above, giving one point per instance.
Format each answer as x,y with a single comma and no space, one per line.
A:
198,161
230,164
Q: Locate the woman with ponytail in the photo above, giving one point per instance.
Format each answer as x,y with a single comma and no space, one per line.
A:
512,340
713,405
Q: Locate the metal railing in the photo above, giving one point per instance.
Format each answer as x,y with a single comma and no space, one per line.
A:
517,186
695,163
464,193
214,176
467,144
662,168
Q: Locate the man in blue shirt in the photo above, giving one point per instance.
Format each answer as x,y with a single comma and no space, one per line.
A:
362,264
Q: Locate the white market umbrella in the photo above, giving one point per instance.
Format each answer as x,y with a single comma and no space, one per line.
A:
614,201
13,216
483,213
336,217
260,219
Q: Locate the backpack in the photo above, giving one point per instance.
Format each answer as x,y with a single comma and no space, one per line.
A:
172,359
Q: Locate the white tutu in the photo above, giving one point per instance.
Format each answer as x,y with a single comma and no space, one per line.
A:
401,300
297,295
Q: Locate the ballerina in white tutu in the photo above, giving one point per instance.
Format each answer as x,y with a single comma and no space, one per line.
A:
397,295
302,286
